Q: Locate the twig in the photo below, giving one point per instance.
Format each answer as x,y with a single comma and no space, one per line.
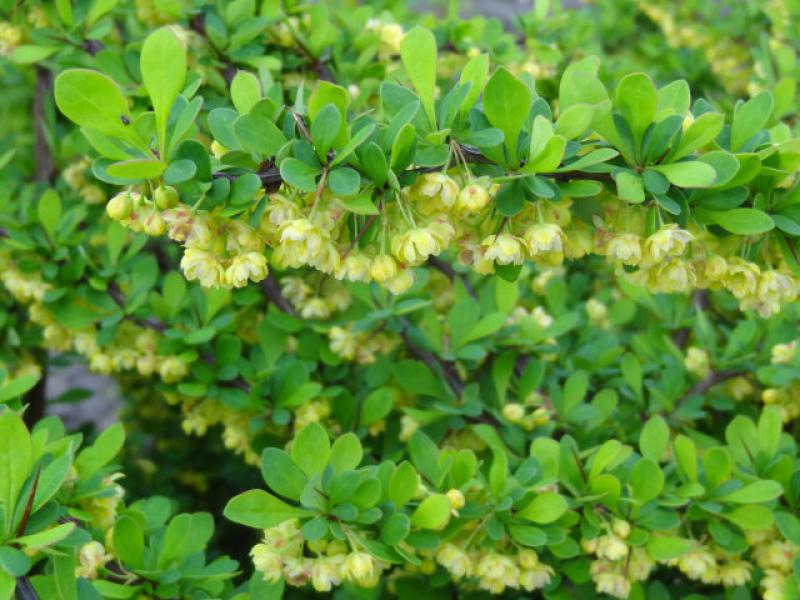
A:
272,291
429,358
705,384
449,272
25,590
119,300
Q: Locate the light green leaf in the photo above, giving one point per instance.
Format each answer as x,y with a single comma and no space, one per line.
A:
432,513
654,438
138,168
261,510
637,101
688,174
753,493
16,454
163,66
666,548
507,101
741,221
749,118
311,448
418,53
102,452
699,134
245,91
282,474
474,73
629,187
544,508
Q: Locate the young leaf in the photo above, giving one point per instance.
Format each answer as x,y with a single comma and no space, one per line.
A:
418,53
507,102
163,65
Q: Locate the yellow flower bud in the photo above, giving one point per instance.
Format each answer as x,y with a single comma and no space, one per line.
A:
456,499
120,206
166,197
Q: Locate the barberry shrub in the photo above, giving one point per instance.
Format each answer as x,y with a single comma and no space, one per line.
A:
401,305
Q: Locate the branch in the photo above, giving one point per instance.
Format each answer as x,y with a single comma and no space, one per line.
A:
272,291
449,272
45,168
119,300
429,358
705,384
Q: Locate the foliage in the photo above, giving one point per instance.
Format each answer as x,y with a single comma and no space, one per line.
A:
436,306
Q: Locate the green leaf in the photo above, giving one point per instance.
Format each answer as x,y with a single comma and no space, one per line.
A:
359,138
654,438
544,508
16,453
344,181
282,474
689,174
637,101
507,102
346,453
395,529
699,134
753,493
261,510
575,120
403,148
749,118
770,427
742,221
629,187
163,66
432,513
666,548
418,53
48,537
329,93
595,157
186,535
91,99
647,480
106,447
361,204
403,484
751,517
13,561
674,98
686,456
299,174
789,526
258,134
17,387
245,91
325,128
311,448
474,73
138,168
376,406
129,542
28,54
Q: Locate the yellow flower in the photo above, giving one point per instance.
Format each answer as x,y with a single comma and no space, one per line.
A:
302,241
360,568
355,267
250,266
503,249
202,266
383,268
670,240
625,248
514,412
535,578
326,572
413,247
611,547
400,282
472,199
456,498
439,189
783,354
496,572
91,557
544,238
741,278
455,560
696,361
172,369
267,561
700,565
621,529
154,224
598,312
734,573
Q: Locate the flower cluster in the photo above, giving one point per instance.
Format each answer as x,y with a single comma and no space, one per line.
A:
218,251
281,554
495,571
786,397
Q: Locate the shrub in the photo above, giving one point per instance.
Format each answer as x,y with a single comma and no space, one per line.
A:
402,306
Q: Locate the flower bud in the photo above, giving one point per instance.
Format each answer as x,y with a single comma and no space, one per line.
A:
154,224
166,197
456,499
514,412
120,206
